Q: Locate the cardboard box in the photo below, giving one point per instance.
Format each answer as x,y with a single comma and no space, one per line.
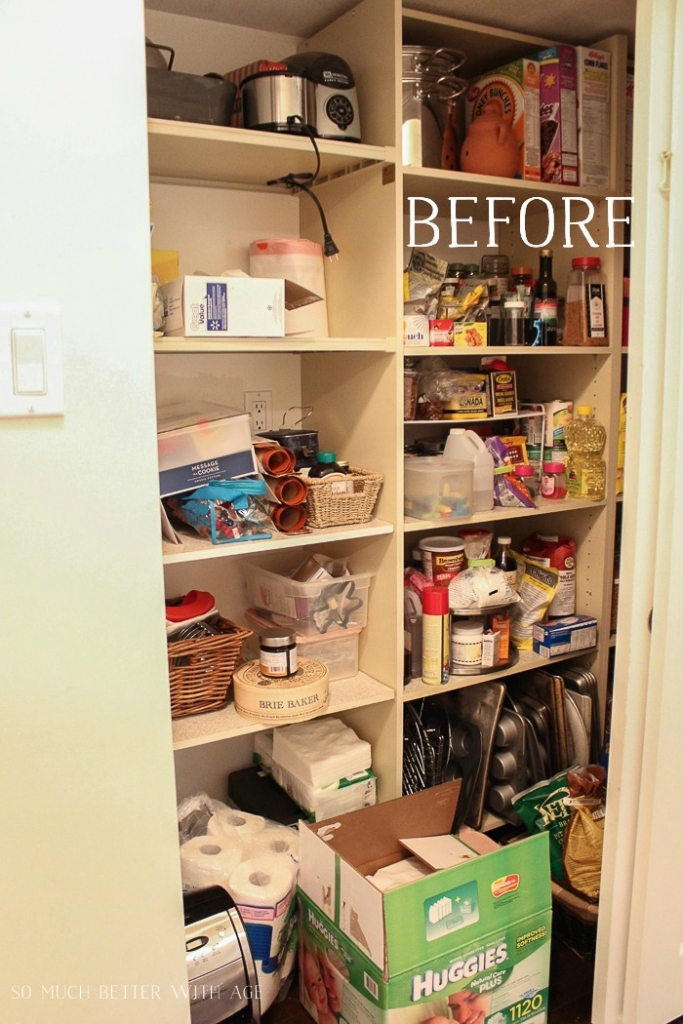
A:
416,329
503,385
480,923
565,635
593,81
628,170
515,92
197,306
558,115
202,444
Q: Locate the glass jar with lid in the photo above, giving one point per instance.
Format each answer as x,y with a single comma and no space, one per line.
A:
496,270
585,311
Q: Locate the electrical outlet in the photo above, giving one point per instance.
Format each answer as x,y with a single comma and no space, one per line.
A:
259,404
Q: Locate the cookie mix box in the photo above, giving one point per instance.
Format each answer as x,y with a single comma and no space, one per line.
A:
558,115
469,927
514,90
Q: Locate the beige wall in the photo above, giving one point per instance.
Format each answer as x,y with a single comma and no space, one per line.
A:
90,877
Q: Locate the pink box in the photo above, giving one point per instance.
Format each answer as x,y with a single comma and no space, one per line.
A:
559,109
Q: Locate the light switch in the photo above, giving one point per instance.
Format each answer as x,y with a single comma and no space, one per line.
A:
31,359
28,362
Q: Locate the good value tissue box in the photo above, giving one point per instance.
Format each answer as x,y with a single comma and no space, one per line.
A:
197,306
479,927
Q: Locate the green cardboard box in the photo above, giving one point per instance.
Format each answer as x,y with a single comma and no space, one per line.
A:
475,935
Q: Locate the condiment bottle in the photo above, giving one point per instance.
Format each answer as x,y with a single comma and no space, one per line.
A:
466,642
585,311
554,480
505,562
545,300
436,655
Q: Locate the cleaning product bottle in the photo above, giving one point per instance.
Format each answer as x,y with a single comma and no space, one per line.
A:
585,468
467,445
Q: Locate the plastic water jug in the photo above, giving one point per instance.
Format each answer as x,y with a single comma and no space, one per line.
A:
466,444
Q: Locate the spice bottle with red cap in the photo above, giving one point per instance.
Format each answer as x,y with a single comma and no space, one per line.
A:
585,311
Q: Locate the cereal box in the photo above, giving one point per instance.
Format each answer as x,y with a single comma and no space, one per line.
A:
593,80
515,92
558,114
628,171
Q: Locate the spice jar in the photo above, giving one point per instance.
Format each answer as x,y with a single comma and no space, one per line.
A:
496,270
585,311
554,480
277,653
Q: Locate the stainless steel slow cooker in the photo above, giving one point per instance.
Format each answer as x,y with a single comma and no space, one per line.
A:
279,101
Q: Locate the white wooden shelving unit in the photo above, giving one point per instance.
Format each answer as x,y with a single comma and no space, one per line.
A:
209,200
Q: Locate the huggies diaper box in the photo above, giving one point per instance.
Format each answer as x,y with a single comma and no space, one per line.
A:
469,925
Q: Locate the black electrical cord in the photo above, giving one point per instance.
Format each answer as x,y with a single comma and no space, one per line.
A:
305,183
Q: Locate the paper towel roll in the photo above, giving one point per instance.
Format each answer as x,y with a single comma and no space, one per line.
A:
263,889
238,823
281,841
208,860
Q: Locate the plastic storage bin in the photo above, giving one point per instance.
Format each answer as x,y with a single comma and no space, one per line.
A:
337,650
437,489
324,606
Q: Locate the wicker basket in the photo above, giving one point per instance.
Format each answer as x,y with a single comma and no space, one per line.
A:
200,669
575,921
325,508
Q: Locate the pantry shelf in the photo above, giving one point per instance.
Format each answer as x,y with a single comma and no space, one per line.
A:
345,694
439,186
196,346
196,548
418,351
213,154
528,661
502,514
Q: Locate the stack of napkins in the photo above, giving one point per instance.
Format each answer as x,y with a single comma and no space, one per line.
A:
349,791
320,751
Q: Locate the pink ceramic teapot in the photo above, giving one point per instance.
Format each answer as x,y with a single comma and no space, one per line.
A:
490,146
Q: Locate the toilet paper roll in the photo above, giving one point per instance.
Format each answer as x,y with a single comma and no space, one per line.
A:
208,860
239,824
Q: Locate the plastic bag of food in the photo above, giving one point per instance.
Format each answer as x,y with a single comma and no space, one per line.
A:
537,587
480,586
545,808
559,553
509,491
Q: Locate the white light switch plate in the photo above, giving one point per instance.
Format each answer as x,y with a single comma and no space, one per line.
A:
31,380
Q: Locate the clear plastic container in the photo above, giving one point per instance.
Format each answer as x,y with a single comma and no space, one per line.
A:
585,311
515,328
438,489
586,470
310,608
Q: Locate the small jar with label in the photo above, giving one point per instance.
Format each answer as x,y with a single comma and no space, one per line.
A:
277,653
554,481
585,310
466,643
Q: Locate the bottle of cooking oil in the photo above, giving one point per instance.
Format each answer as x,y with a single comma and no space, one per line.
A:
585,468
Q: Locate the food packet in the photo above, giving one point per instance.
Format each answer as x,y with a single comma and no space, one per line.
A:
545,808
582,848
537,587
480,586
508,490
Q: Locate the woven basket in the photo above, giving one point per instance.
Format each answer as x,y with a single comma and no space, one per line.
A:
575,921
200,669
328,509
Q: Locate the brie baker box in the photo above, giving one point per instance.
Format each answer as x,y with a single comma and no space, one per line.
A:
197,306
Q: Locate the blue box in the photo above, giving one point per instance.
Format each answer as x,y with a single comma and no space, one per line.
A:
565,636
